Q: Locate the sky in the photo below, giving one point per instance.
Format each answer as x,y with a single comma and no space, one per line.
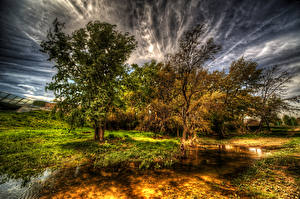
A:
267,32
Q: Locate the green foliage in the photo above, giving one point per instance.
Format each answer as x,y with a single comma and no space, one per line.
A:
141,83
39,103
93,84
294,121
31,142
90,67
231,97
289,121
286,119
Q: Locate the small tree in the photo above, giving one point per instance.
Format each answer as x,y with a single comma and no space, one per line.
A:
90,67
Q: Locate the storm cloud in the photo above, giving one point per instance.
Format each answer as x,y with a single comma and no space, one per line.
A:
267,32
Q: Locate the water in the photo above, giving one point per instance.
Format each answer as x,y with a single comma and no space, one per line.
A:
12,188
205,168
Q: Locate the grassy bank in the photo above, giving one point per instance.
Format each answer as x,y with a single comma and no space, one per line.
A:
31,142
276,176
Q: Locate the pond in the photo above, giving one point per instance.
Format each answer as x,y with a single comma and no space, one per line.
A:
205,172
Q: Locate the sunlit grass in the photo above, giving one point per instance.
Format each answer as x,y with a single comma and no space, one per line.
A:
32,142
275,176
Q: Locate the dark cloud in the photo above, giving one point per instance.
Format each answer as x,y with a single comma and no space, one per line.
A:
264,31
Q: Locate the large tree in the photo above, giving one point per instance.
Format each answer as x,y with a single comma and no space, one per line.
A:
191,75
273,90
90,66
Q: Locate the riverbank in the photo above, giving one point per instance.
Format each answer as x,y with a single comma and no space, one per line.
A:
263,166
276,175
226,172
31,142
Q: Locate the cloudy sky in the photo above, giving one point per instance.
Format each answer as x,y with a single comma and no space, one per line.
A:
265,31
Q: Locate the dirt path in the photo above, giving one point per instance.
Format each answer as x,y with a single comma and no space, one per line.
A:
260,142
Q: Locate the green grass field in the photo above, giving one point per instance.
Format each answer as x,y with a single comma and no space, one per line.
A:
31,142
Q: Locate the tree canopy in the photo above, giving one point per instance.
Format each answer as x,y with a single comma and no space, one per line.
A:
90,67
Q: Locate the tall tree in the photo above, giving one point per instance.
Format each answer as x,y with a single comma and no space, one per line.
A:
272,92
90,67
235,99
189,64
150,91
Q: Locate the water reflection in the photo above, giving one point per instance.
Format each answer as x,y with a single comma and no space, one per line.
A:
219,159
16,189
201,174
256,151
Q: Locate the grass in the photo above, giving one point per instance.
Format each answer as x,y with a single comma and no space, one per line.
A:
276,176
31,142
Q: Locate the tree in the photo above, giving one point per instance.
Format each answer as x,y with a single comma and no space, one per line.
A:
90,67
289,121
150,92
161,108
141,83
294,121
235,98
189,65
272,88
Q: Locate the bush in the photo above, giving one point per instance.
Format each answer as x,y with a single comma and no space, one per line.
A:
39,103
289,121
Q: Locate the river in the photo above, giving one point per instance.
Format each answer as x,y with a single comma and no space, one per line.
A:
206,172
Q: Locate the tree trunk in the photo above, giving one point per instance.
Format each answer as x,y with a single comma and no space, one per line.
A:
185,132
268,124
101,133
222,135
260,126
177,132
182,149
221,130
97,133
